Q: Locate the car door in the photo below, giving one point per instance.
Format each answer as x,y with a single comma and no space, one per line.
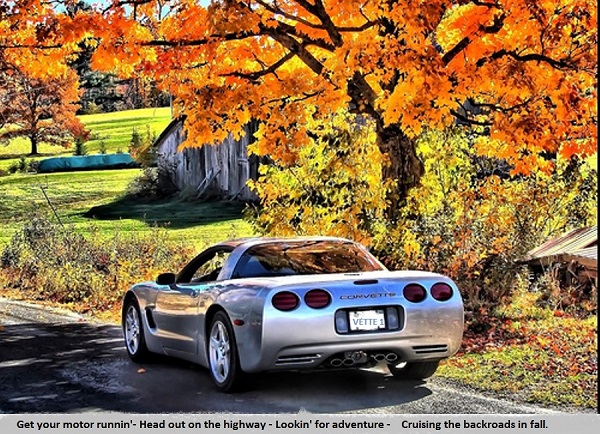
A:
176,310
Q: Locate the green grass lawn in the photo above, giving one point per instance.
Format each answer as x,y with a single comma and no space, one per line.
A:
74,194
114,129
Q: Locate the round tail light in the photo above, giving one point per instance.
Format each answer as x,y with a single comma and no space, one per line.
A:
415,293
317,298
441,291
285,301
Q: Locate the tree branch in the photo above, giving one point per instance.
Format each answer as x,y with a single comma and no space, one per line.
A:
294,46
253,76
290,99
199,42
332,31
499,108
468,120
125,3
29,46
291,30
277,11
494,28
447,58
558,64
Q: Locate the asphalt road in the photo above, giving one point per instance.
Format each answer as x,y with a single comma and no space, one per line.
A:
53,361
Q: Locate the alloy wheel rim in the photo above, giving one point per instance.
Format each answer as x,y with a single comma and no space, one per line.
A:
219,352
132,330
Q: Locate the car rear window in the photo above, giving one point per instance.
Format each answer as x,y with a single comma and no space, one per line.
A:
304,257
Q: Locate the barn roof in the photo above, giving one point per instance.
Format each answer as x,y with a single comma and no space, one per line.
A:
174,122
579,244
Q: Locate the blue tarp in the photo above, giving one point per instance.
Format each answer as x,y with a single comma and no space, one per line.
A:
86,162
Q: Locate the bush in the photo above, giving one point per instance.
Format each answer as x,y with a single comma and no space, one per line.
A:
14,167
141,147
32,165
59,264
579,299
333,188
23,165
102,148
153,183
80,147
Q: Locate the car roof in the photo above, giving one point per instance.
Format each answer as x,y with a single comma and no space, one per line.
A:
254,241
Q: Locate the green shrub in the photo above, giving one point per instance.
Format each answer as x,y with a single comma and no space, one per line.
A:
50,262
102,148
32,165
23,165
141,147
153,183
14,167
80,147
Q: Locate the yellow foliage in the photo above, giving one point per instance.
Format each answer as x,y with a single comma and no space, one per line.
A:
471,219
332,188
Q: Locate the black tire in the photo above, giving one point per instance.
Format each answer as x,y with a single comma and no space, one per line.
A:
133,332
414,370
223,360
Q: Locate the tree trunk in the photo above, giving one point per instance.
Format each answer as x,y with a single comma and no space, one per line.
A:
403,166
34,148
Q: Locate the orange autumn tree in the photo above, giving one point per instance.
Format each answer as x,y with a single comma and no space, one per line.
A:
523,70
39,109
39,92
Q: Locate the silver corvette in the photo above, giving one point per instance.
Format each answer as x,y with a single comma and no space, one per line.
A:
252,305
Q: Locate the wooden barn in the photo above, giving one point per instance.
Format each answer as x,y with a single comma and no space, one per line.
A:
574,254
213,171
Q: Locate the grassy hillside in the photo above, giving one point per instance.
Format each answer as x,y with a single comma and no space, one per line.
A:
114,129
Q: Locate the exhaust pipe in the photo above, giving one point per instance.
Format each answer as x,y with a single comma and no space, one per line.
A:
336,363
348,362
379,357
391,357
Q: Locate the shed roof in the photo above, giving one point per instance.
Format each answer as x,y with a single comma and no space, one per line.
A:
174,122
578,243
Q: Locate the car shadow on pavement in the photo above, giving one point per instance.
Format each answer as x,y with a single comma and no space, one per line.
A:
79,367
333,391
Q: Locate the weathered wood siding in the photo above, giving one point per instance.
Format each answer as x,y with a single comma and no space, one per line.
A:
213,170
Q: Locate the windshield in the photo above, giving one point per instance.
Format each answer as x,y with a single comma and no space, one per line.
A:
304,257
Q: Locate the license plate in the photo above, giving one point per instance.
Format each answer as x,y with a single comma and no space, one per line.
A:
367,320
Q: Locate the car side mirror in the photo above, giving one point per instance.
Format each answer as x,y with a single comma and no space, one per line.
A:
165,279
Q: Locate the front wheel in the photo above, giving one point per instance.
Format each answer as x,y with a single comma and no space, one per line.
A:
133,331
223,360
413,370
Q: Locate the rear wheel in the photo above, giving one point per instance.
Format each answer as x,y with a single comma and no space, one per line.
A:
133,331
223,360
413,370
